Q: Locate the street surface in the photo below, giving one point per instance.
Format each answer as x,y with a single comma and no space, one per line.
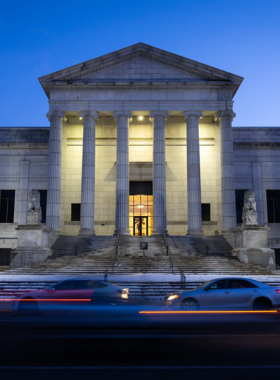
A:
183,346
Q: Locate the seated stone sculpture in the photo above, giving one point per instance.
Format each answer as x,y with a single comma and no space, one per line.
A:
249,214
34,213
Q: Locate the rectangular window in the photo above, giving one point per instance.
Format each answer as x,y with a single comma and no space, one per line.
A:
43,204
75,212
239,203
205,212
7,206
5,256
141,187
273,206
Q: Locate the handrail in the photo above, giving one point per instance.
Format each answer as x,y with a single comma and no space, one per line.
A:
116,252
168,251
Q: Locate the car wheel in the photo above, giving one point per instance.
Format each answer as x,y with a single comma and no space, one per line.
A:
28,307
262,304
189,304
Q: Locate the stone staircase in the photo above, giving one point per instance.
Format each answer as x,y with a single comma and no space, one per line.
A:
74,256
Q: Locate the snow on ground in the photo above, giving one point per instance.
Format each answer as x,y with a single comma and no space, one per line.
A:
137,277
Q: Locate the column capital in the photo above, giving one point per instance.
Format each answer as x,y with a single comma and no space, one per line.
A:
59,114
163,114
188,114
126,114
93,114
227,113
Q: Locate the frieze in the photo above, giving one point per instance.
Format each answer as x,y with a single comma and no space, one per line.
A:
142,55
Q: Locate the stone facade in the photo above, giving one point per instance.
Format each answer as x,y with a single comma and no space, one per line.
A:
159,98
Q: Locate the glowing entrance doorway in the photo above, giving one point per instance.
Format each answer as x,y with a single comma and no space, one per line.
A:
141,214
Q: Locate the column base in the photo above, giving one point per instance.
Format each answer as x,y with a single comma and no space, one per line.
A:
123,231
86,232
195,233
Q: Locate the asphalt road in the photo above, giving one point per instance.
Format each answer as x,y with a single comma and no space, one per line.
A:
161,347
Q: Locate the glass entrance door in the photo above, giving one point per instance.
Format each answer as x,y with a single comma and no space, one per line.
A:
140,226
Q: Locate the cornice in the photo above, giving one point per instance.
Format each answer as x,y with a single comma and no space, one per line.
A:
138,88
256,144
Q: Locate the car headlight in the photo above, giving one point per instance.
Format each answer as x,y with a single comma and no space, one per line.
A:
170,298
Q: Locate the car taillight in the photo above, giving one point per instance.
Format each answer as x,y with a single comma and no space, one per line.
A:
277,291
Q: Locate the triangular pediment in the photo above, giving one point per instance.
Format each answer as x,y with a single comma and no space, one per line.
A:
140,56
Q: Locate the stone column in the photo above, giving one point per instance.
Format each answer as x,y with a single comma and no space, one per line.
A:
258,189
122,183
227,170
23,192
193,173
88,173
54,170
159,176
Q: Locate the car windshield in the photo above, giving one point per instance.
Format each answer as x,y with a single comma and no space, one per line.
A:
202,285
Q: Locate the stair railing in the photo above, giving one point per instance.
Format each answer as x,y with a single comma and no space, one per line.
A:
116,252
168,251
183,278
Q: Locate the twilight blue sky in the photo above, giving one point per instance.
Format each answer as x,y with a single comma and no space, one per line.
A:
39,37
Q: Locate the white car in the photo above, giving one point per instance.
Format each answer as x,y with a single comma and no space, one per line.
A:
74,292
227,293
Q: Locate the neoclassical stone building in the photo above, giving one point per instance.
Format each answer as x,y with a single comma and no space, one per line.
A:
140,141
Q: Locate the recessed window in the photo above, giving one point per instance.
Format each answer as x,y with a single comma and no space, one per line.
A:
205,212
43,204
7,206
75,212
273,206
239,204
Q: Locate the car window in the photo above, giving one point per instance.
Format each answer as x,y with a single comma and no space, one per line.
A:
88,284
242,284
221,284
66,285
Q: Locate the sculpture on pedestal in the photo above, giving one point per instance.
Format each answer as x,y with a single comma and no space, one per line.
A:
32,246
249,214
34,213
250,238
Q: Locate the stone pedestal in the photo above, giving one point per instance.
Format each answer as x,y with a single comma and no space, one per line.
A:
251,246
32,246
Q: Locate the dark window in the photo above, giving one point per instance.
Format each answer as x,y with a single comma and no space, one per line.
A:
239,201
5,256
75,212
273,206
7,206
141,187
277,255
221,284
43,204
242,284
205,212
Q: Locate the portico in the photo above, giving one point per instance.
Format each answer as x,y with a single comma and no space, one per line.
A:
167,92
